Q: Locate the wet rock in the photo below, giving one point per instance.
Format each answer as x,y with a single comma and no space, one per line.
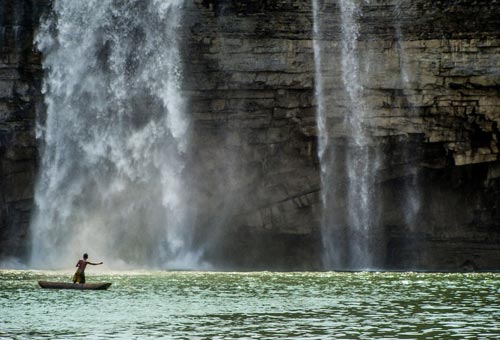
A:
20,75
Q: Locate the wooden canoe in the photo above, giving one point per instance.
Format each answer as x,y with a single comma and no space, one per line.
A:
66,285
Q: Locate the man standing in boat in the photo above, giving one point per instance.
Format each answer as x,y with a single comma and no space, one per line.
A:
79,276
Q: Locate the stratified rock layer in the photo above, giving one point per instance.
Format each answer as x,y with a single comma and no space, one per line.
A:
432,88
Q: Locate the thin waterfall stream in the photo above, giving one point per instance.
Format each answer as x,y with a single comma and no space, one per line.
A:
114,137
349,162
361,162
412,205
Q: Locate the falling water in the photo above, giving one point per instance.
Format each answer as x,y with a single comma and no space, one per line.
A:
114,137
362,160
348,167
412,202
319,93
322,128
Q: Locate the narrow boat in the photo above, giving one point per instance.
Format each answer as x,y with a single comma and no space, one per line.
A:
66,285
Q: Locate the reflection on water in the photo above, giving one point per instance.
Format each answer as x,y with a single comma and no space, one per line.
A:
192,305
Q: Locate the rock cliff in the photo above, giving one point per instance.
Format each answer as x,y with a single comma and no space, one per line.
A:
20,85
250,80
431,78
431,83
429,72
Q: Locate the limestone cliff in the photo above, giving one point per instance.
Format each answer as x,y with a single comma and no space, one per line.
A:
433,92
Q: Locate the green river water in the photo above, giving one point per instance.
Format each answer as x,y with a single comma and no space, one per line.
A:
205,305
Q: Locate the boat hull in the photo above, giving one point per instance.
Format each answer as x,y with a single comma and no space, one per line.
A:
78,286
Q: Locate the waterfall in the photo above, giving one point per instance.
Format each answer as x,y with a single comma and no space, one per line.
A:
412,204
114,137
322,131
348,160
362,159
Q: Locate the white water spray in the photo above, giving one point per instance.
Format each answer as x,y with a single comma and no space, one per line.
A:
111,173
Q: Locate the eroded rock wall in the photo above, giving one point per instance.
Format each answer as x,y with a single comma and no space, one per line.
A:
430,71
250,78
20,84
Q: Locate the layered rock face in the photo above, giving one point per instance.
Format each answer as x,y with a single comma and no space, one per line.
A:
429,72
20,84
250,79
430,77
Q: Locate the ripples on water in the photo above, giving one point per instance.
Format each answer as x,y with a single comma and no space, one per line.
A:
192,305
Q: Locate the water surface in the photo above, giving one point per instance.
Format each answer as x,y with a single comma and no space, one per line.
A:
201,305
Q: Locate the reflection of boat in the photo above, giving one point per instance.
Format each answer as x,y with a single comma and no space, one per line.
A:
66,285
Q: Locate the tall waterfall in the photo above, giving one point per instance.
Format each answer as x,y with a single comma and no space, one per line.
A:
348,161
114,138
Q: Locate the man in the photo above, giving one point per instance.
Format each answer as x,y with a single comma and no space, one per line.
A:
79,276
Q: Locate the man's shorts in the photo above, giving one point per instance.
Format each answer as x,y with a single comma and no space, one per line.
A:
79,277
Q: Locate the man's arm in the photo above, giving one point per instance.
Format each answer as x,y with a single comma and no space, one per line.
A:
94,264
